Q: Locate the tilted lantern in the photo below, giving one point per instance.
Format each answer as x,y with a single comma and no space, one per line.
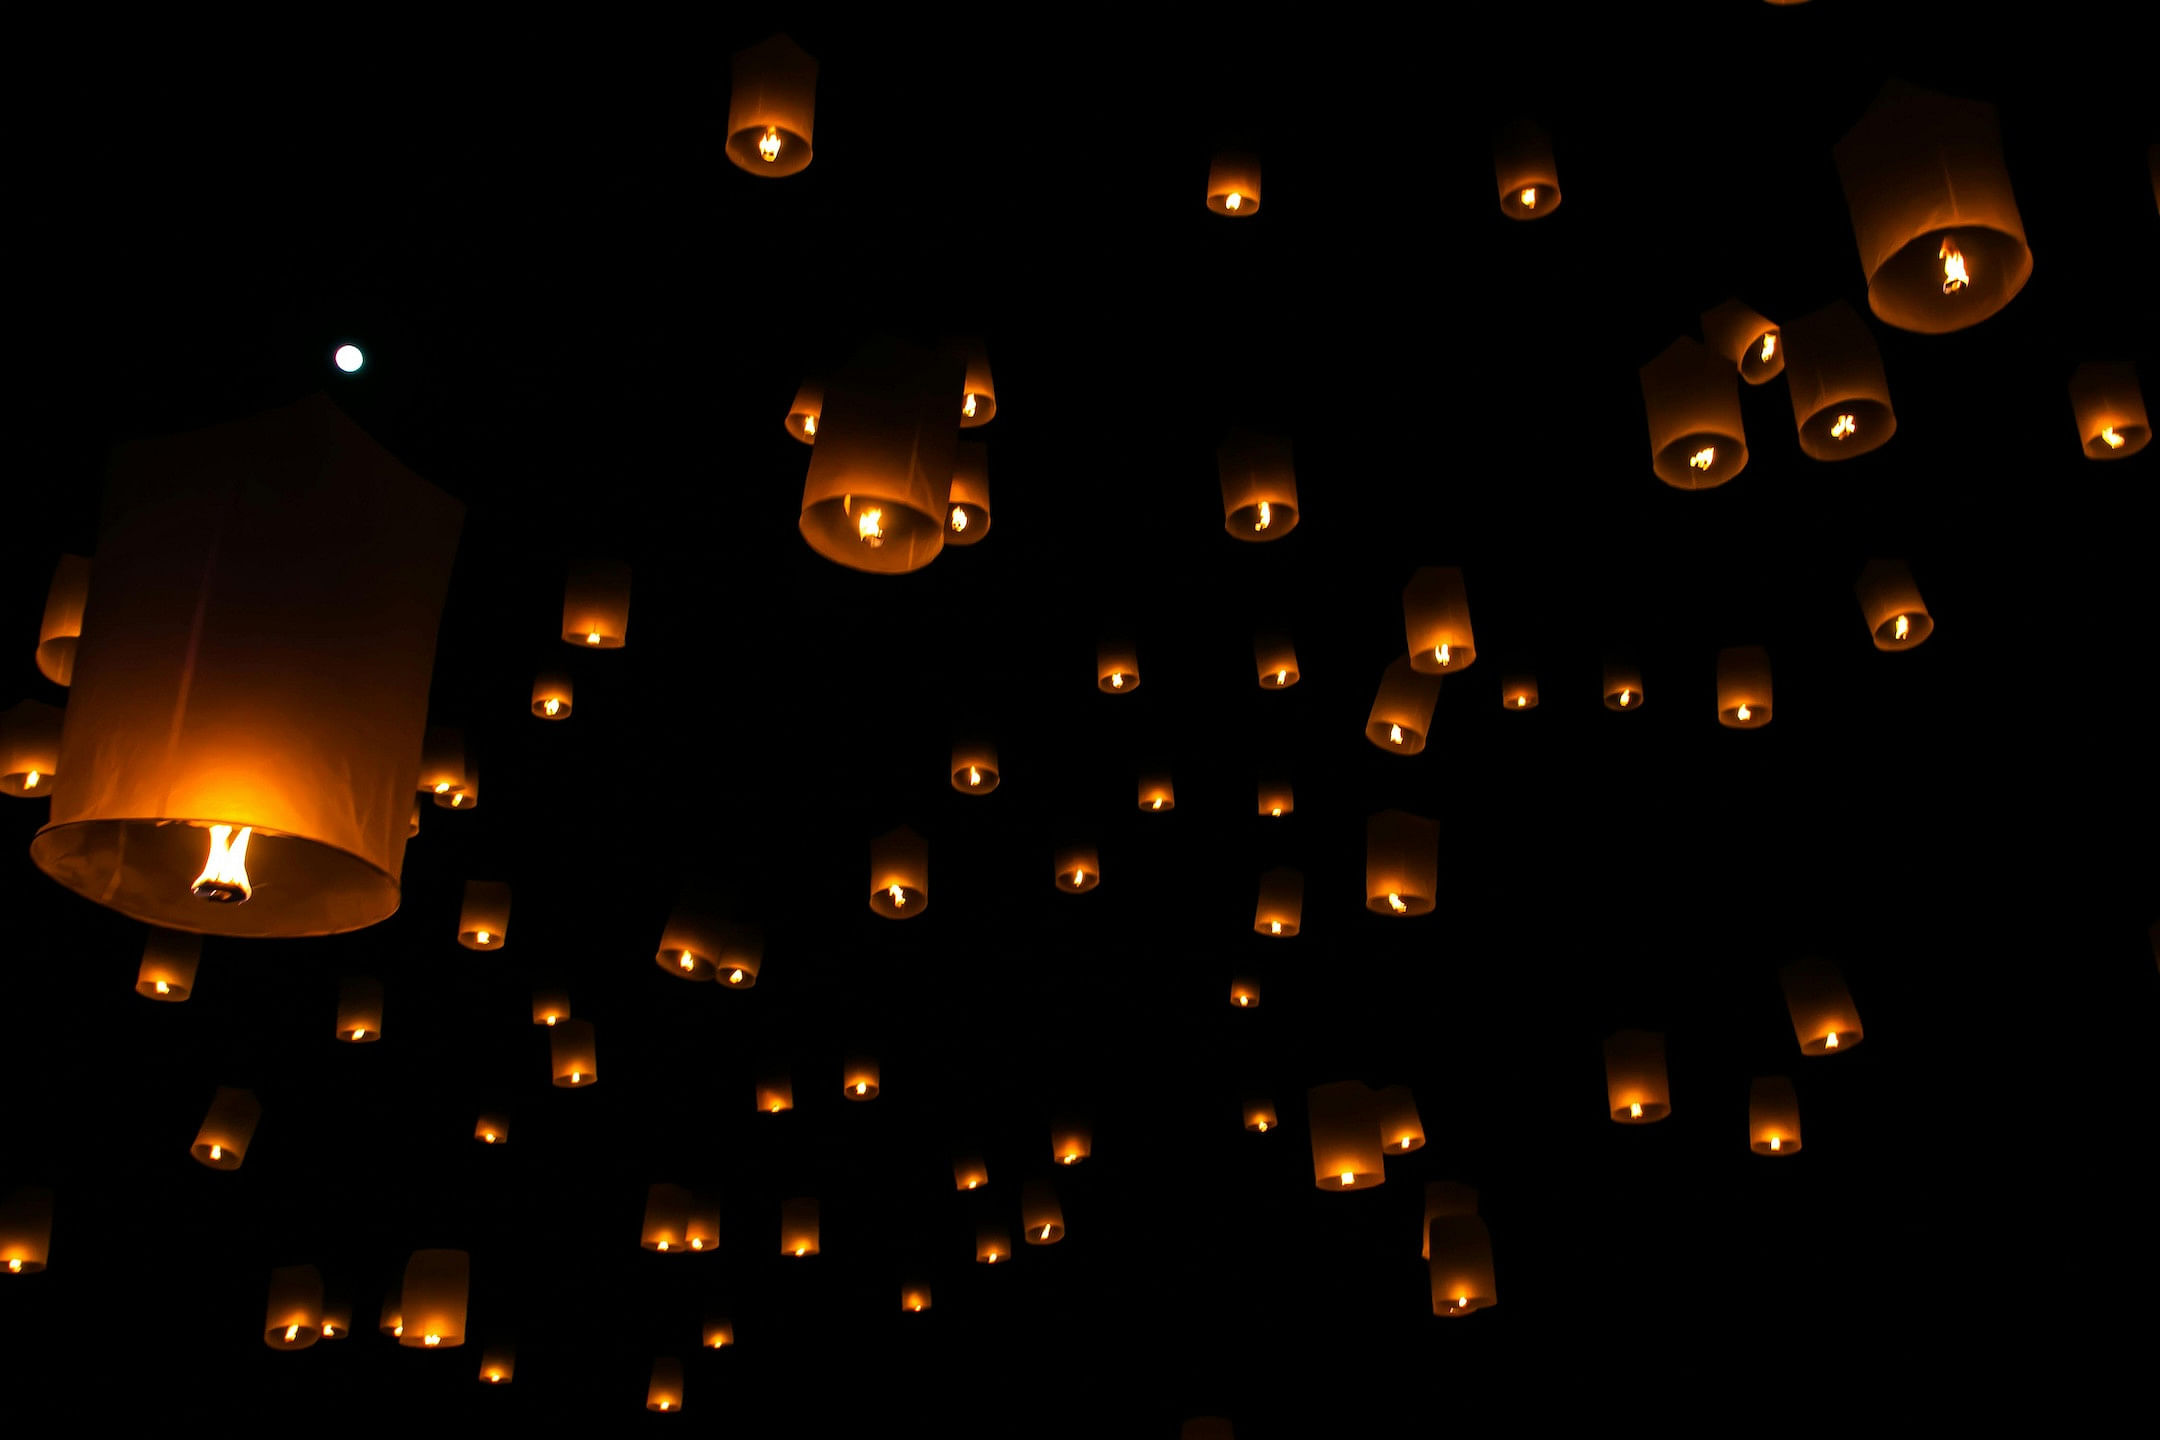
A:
694,946
1157,793
1402,863
665,1391
498,1364
992,1245
1693,404
168,965
442,761
1401,1131
1277,799
1461,1265
772,105
799,1227
1245,993
1282,903
978,393
484,918
1636,1089
802,416
30,732
1773,1116
900,874
1071,1141
667,1219
1079,869
1345,1122
468,797
1518,692
1117,667
222,1141
574,1054
1623,686
1041,1217
1824,1019
293,1318
492,1128
1259,486
61,628
775,1094
596,604
432,1300
1233,184
1743,687
359,1010
1401,714
974,767
26,1216
718,1332
551,696
702,1229
859,1078
967,514
915,1298
1747,341
1260,1116
1436,618
1275,658
2110,412
1840,396
970,1173
550,1007
1529,181
1445,1199
880,479
1897,618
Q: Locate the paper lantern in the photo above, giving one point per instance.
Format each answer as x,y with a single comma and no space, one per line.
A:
771,107
468,796
1941,241
1636,1090
336,1320
1461,1265
1117,667
1824,1019
26,1216
550,1007
1079,869
1773,1116
30,732
255,666
1402,710
442,760
1745,340
484,919
1157,793
1282,902
701,1231
974,767
802,416
665,1392
978,394
1260,1116
61,628
1276,661
574,1054
492,1128
1444,1199
718,1333
967,514
775,1094
1041,1218
1345,1124
992,1245
1259,486
1840,396
1277,799
1245,993
799,1227
1743,687
694,946
551,695
970,1173
432,1300
914,1299
1623,686
1693,405
859,1078
1518,692
222,1141
359,1010
900,874
880,479
1529,181
2110,412
596,604
168,965
1436,618
1402,863
1897,618
1070,1141
667,1218
1206,1427
498,1364
293,1318
1401,1131
1233,184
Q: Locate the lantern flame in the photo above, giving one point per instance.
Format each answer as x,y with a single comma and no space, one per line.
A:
1233,200
1775,1143
899,896
992,1258
30,780
1635,1111
1276,812
1954,276
809,426
1625,696
1395,903
1462,1302
967,405
971,1184
1394,734
397,1329
1282,677
687,962
1742,713
1263,1127
862,1087
1275,927
663,1245
1529,198
1844,426
868,530
768,145
1079,878
224,877
592,637
431,1340
329,1332
2107,435
481,936
163,988
1830,1041
488,1136
1703,458
1406,1141
734,977
457,800
1904,628
1521,700
217,1152
1769,346
801,1250
552,706
1117,680
1444,653
549,1020
575,1076
959,519
974,776
1265,516
292,1333
14,1267
1348,1178
442,787
1155,804
1046,1232
359,1033
494,1377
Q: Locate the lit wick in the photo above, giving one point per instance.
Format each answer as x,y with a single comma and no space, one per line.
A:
224,878
1635,1111
30,780
1830,1041
959,519
1769,346
552,706
1265,516
2107,434
1529,198
217,1152
809,426
1274,927
163,988
292,1333
1233,200
1395,903
1774,1142
1078,877
1625,696
687,962
1742,714
431,1340
967,406
974,776
1117,680
481,936
768,145
1954,276
897,894
1902,629
1046,1232
734,977
1348,1178
1843,427
592,637
1394,734
1703,458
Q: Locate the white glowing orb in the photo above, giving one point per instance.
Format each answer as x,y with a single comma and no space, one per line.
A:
348,358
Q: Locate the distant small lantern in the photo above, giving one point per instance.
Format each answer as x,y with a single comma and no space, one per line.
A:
1773,1116
1157,794
1245,993
30,748
900,874
390,1319
1461,1265
1041,1217
61,628
484,918
1277,799
1518,692
1259,486
2110,412
1941,240
1444,1200
775,1094
1636,1089
1117,668
1260,1116
718,1332
1743,687
467,798
1623,686
1079,869
880,482
694,946
222,1141
665,1390
492,1128
574,1054
1529,181
802,416
1070,1141
1436,618
596,605
337,1320
1233,184
1692,402
667,1220
1824,1019
1840,396
498,1364
701,1232
433,1298
974,767
1401,714
1401,1131
168,965
914,1299
978,393
360,1010
799,1227
967,513
550,1007
1745,340
1897,618
442,760
1402,863
293,1318
970,1173
1282,903
26,1216
551,695
1206,1427
993,1246
1345,1123
772,106
859,1078
1276,661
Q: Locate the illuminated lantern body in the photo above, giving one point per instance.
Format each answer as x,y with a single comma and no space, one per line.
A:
359,1010
693,946
1636,1090
970,1173
1824,1019
293,1318
1117,667
914,1299
1040,1215
498,1364
1445,1199
992,1245
1345,1122
467,798
1233,184
1402,863
1079,869
222,1141
2110,412
702,1230
799,1227
61,628
25,1230
880,481
550,1007
1840,396
1070,1142
442,761
974,767
1245,993
776,1094
859,1078
336,1321
772,105
168,965
390,1320
1259,487
432,1299
1519,692
484,919
596,604
1157,794
256,656
1401,1131
1940,237
978,393
551,696
1402,710
1206,1427
665,1392
967,513
574,1054
1743,687
1693,405
1623,686
1745,340
1461,1265
1773,1116
900,874
1436,618
1260,1116
492,1129
667,1220
1897,618
1529,181
30,732
1282,903
803,415
718,1333
1276,660
1277,799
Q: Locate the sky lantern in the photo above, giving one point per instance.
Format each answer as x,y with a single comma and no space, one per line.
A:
859,1078
1345,1120
665,1391
293,1318
1636,1090
1245,993
1941,241
1282,902
1824,1018
1623,686
1445,1199
432,1299
1518,692
574,1054
551,695
978,393
694,946
1078,869
1275,660
466,797
772,105
1402,863
492,1128
550,1006
1840,396
900,874
484,918
799,1227
337,1320
1402,711
1277,799
1529,181
442,760
498,1364
915,1299
970,1173
880,482
168,965
1117,667
718,1332
1744,340
1693,404
1773,1112
667,1219
1897,618
776,1094
61,627
1259,486
359,1010
993,1246
26,1216
974,767
2110,411
802,416
967,515
1461,1265
701,1231
1157,794
1071,1140
596,604
1743,687
1041,1218
1436,617
1260,1116
1233,184
1401,1131
222,1141
30,732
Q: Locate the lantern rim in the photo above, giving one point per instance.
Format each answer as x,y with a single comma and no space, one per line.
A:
1243,522
1906,289
274,1337
1511,197
1413,738
1846,1040
1787,1145
1758,715
1671,463
794,157
2134,438
1652,1111
702,967
829,527
978,523
1877,423
915,902
1413,905
990,779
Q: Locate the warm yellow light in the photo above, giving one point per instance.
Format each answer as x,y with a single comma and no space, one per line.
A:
1395,903
1394,734
687,962
217,1152
457,800
1282,677
778,1108
1635,1111
552,707
974,776
1529,198
1079,877
550,1020
1117,680
1348,1178
1276,812
1046,1232
592,637
2107,433
442,787
1775,1142
734,977
1233,200
575,1076
971,1184
899,896
697,1244
664,1404
801,1250
862,1087
224,877
1954,276
163,988
1830,1041
14,1267
1067,1159
494,1377
292,1333
359,1033
30,780
967,405
991,1259
329,1332
431,1340
663,1245
1702,459
1843,427
768,145
397,1330
959,519
1265,516
1743,713
1156,803
1904,627
1625,696
1462,1302
488,1136
809,425
1274,927
1521,700
1406,1141
481,936
1769,346
868,530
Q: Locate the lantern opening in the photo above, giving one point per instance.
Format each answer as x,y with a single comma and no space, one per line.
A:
224,878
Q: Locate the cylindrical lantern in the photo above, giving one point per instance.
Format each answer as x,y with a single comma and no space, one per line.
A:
978,393
1277,799
1444,1199
1245,993
550,1007
222,1141
799,1227
1636,1090
551,695
492,1128
1157,793
1518,692
432,1300
1692,402
293,1318
900,874
1233,184
1623,686
967,514
974,767
1402,863
596,604
1079,869
718,1332
254,666
359,1010
992,1245
1897,618
1402,710
467,797
694,946
30,732
802,416
1260,1116
775,1094
2109,406
667,1219
574,1054
1117,667
1345,1125
1529,181
771,107
881,473
168,965
1436,618
1743,687
970,1173
1773,1112
1461,1265
1276,660
859,1078
484,919
26,1229
337,1320
665,1392
1940,237
1840,396
1824,1018
702,1230
61,628
1401,1131
1071,1141
1041,1217
1282,903
914,1299
498,1364
442,760
1259,486
1744,340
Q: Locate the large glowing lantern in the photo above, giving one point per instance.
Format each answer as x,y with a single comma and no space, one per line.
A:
168,965
992,1245
574,1054
1275,659
1078,869
1401,1131
1824,1018
1344,1117
1233,184
859,1078
1402,710
1071,1140
30,732
970,1173
1445,1199
1692,402
1897,618
251,687
978,393
802,416
492,1128
771,108
1840,396
1745,340
442,761
551,696
799,1227
2110,412
61,627
1259,486
1636,1090
900,874
1518,692
694,946
293,1318
1402,863
880,480
550,1006
665,1391
915,1298
432,1301
222,1141
484,917
1743,687
359,1010
1260,1115
26,1217
1117,667
1461,1265
1773,1112
498,1364
967,514
667,1220
1281,904
1623,686
1436,618
775,1094
974,767
1529,181
1277,799
1041,1216
1157,794
596,604
1940,237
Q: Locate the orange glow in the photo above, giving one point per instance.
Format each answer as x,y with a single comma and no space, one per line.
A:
592,637
809,425
1703,458
1117,680
1635,1110
1394,734
224,877
217,1152
967,406
1954,276
163,988
899,896
1904,627
1395,903
662,1245
1265,516
397,1331
768,149
959,519
1769,346
1233,201
494,1377
1843,428
553,707
2107,435
1625,696
1830,1042
1529,198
